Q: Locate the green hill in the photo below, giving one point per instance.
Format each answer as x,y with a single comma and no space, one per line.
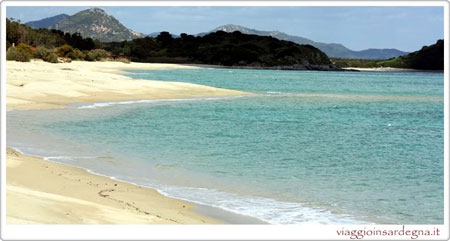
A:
331,49
218,48
222,48
46,22
428,58
17,33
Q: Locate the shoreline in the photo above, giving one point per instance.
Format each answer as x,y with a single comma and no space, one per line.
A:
41,85
37,85
289,68
88,105
153,206
92,198
387,69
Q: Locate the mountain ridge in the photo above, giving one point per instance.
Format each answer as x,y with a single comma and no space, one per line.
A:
46,22
333,50
95,23
220,48
430,57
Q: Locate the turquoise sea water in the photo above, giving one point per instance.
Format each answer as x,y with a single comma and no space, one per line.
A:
305,147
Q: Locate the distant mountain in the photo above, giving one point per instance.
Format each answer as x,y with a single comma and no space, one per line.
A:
332,49
95,23
47,22
428,58
380,53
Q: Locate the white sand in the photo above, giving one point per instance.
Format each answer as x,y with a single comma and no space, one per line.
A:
44,192
39,191
40,85
378,69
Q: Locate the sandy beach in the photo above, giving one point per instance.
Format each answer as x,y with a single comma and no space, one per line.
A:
378,69
40,191
41,85
43,192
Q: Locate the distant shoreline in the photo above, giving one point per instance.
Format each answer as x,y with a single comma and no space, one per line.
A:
293,67
388,69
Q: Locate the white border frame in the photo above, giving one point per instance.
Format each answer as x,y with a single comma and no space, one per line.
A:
208,232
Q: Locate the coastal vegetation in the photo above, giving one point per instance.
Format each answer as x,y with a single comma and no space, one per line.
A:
19,53
17,33
215,48
24,43
65,53
428,58
221,48
95,23
333,50
359,63
218,48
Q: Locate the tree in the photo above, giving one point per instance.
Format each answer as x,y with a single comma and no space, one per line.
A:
165,39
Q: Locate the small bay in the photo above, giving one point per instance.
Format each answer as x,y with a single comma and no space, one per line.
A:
304,147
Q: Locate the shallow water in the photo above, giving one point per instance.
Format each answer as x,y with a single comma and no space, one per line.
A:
309,147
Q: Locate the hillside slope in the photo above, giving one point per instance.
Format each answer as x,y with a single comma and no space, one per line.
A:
428,58
95,23
47,22
331,49
222,48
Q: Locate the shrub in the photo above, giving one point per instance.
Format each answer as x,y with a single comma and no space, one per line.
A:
45,54
52,58
96,54
77,54
25,48
40,52
86,55
64,50
17,55
72,53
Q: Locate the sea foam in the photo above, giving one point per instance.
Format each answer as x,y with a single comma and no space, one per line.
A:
266,209
114,103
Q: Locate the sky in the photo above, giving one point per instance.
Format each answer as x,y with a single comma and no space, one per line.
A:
357,28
